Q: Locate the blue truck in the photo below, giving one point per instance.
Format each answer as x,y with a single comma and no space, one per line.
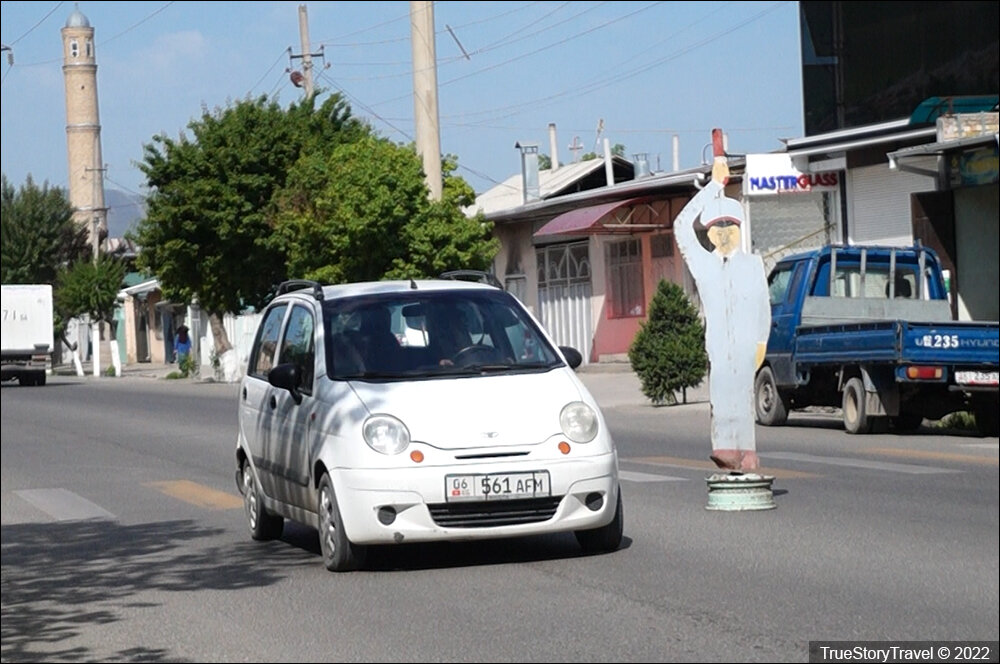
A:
869,329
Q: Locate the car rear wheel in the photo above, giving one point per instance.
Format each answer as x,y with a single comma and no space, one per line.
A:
606,538
339,553
264,526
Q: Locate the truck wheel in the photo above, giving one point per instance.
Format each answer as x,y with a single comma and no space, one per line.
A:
770,406
856,420
987,418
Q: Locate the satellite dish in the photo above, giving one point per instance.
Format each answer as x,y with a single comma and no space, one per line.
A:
297,78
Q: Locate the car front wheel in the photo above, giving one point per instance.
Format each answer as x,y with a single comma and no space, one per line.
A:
606,538
339,553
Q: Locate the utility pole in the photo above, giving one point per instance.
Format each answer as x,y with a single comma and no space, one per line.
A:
306,56
425,99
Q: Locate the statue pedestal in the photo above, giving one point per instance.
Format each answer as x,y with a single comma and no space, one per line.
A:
740,492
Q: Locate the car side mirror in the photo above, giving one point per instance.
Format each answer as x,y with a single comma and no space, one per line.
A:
572,355
286,377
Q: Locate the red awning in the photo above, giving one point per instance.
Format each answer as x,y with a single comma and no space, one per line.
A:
583,221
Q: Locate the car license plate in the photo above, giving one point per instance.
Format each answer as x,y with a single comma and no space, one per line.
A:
977,377
498,486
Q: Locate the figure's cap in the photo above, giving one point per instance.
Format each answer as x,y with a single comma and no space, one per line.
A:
721,209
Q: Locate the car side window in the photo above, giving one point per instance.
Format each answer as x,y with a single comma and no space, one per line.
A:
264,348
297,346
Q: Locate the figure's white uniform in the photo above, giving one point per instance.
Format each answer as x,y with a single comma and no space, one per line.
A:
734,296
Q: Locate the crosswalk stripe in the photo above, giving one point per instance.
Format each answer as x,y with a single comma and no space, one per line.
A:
908,468
692,464
198,494
64,505
925,454
633,476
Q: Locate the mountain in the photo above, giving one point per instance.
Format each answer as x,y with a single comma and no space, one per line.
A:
124,210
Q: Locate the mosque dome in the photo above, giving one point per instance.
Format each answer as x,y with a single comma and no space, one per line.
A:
77,19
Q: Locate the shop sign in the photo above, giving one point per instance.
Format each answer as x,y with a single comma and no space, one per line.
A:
769,174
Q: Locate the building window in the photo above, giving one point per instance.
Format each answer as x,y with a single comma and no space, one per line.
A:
625,292
74,49
661,246
563,264
90,48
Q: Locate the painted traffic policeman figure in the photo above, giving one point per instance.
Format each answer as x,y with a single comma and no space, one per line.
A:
734,295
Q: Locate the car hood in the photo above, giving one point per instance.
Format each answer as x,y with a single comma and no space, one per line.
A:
476,411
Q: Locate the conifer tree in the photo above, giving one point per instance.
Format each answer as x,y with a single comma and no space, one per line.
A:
668,353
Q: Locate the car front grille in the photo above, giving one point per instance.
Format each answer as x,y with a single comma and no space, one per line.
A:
494,513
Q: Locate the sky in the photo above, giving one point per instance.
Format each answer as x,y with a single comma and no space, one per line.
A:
635,73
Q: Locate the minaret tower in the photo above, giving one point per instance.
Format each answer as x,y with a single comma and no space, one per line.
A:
83,128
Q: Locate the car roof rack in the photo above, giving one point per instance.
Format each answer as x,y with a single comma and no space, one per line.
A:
301,284
472,275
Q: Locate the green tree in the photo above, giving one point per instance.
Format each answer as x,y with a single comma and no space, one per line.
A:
668,353
207,232
363,214
37,234
618,150
90,287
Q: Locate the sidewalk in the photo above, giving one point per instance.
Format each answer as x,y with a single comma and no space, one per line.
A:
137,370
612,383
615,384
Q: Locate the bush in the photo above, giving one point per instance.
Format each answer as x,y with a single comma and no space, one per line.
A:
668,353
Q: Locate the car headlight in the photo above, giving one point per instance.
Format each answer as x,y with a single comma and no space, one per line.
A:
578,422
386,434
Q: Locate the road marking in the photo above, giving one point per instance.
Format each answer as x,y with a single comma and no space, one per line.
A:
64,505
632,476
860,463
983,446
679,462
198,494
939,456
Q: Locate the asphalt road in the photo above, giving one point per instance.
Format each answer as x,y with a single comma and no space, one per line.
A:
123,540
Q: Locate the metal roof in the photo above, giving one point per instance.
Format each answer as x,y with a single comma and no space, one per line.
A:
508,194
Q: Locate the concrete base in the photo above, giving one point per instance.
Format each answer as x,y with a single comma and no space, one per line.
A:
740,492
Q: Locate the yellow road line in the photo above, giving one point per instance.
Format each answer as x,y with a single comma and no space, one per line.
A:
680,462
940,456
198,494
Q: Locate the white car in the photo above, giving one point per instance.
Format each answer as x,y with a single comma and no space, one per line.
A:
478,428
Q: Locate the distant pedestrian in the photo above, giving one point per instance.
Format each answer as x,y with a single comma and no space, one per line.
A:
182,345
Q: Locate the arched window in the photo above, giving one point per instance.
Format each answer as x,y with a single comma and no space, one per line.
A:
90,48
74,49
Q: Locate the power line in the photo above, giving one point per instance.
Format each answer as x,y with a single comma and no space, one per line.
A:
284,52
42,20
613,76
538,50
106,41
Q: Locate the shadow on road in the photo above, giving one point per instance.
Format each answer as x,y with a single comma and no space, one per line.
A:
60,578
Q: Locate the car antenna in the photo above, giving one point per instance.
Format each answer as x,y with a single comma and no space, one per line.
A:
413,284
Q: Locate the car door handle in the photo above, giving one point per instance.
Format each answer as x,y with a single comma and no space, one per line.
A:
274,402
244,394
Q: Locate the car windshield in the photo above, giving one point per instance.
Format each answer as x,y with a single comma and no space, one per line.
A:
431,334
